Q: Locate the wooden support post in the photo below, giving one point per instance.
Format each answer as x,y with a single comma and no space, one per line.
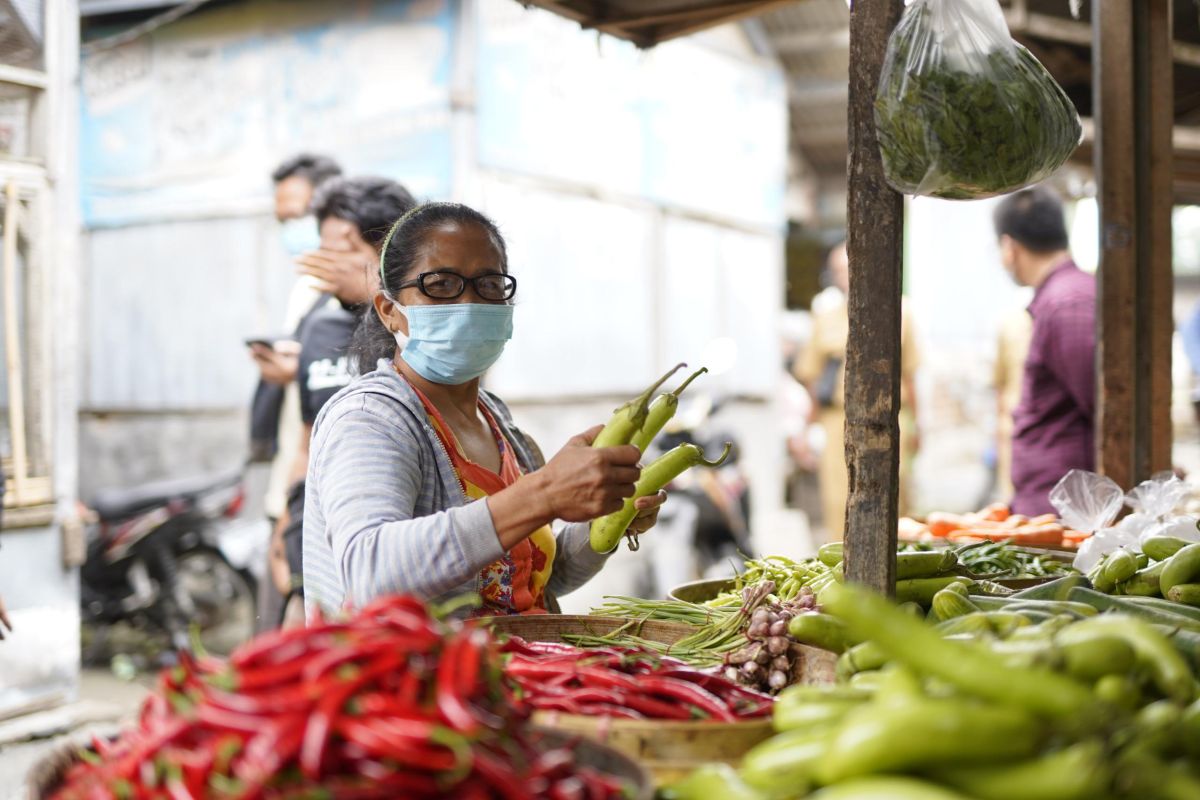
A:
1134,103
876,220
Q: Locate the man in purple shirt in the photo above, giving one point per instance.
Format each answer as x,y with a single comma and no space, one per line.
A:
1053,425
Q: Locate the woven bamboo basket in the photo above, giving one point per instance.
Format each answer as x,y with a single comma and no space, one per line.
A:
553,627
668,749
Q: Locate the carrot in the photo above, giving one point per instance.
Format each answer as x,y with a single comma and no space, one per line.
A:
996,512
1044,519
909,530
941,523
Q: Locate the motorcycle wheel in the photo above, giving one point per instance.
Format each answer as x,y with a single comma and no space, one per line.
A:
223,599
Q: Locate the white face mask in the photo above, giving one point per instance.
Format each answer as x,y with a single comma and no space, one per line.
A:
454,343
300,235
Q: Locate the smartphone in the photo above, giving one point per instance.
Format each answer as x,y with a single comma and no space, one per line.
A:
265,341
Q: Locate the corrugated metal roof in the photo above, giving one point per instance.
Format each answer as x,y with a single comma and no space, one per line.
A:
93,8
648,22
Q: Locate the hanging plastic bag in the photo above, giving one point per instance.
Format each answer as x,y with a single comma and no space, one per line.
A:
1089,502
963,111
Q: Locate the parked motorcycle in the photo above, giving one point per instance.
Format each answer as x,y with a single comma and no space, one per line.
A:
167,556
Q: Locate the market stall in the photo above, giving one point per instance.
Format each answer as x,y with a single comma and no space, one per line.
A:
1021,658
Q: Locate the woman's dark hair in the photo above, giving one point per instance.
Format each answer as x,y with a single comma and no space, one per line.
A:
401,249
370,204
314,168
1033,217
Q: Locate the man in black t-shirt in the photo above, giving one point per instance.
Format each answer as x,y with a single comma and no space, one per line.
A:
354,215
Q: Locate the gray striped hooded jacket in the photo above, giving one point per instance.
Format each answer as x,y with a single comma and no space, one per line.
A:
384,511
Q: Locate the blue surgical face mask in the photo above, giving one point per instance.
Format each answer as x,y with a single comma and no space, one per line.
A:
454,343
300,235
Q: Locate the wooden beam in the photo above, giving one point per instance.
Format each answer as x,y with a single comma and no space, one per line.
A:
1134,165
815,41
685,14
1154,84
1069,31
817,93
686,29
1116,275
875,218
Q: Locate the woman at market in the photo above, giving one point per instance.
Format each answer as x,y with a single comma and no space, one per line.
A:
418,480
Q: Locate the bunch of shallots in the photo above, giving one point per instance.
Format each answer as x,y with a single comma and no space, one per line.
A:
767,661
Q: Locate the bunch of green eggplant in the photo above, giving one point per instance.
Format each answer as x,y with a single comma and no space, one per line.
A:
987,704
1166,567
637,423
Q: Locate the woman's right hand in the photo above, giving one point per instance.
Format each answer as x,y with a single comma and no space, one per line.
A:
582,482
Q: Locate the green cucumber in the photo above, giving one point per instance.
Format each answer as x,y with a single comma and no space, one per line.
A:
1160,548
1079,772
1145,582
1053,590
1187,594
830,554
1155,652
1120,566
922,590
925,564
785,763
948,604
879,788
1183,567
819,630
1136,607
915,734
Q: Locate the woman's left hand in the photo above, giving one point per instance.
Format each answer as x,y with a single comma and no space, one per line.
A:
647,512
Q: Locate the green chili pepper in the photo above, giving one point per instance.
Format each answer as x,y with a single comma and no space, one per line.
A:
627,420
661,411
608,530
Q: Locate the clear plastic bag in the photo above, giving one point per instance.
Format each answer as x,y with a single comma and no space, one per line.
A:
1089,502
1157,502
963,111
1158,497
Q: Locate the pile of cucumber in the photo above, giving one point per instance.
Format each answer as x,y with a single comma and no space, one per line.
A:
1166,567
1039,698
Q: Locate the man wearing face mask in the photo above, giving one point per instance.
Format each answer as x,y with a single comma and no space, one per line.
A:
275,411
353,215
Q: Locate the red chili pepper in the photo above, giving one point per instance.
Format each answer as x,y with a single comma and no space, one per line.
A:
591,695
689,693
500,777
452,706
334,697
409,751
608,710
609,679
572,788
656,709
549,703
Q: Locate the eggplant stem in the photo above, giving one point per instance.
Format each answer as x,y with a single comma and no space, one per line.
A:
691,378
721,460
643,399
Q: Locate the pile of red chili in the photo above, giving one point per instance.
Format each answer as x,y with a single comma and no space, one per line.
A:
388,704
625,683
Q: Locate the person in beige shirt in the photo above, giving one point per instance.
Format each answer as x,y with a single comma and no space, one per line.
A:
821,368
1012,344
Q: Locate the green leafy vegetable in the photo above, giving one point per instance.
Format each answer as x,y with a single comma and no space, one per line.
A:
960,115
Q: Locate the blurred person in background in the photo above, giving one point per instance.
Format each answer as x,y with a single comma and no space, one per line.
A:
1054,422
354,215
821,368
1012,345
275,411
1189,333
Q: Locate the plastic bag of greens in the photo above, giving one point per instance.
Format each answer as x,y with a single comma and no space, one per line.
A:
963,111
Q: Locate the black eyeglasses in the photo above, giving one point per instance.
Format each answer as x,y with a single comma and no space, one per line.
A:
446,285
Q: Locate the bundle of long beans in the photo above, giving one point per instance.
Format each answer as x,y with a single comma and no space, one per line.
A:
722,633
